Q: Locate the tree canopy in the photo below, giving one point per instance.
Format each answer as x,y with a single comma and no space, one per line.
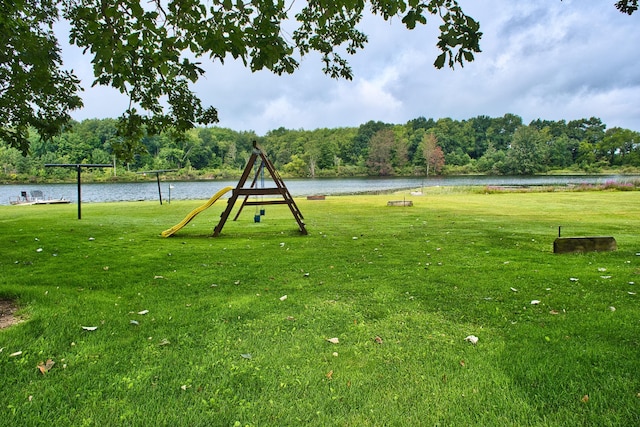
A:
486,145
152,51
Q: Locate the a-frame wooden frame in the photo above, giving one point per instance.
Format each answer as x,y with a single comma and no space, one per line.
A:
280,189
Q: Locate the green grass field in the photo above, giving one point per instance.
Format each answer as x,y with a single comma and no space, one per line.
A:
238,327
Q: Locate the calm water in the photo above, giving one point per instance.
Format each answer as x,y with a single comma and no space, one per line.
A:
297,187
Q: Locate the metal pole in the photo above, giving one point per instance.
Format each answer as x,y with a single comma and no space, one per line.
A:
79,193
159,192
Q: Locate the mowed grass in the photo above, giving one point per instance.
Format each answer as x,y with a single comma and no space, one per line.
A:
237,326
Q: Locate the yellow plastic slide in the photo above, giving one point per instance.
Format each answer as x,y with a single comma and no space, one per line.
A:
196,211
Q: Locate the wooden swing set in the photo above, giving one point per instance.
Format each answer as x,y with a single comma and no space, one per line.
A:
253,190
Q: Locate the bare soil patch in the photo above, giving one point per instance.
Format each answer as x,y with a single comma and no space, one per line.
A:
7,310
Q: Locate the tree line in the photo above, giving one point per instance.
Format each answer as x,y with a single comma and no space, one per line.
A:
487,145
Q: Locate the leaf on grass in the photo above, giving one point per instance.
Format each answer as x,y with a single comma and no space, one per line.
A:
17,353
158,277
612,308
134,322
554,312
535,302
45,367
247,356
164,342
283,297
585,398
378,340
514,289
329,374
573,279
462,363
333,340
472,339
89,328
143,312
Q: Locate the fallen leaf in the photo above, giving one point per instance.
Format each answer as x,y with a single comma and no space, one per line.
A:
247,356
535,302
585,398
184,387
17,353
291,318
472,339
89,328
158,277
462,363
378,340
329,374
554,312
283,297
164,342
612,308
45,367
143,312
333,340
514,289
134,322
334,354
573,279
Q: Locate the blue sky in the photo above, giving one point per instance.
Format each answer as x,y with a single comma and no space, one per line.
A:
547,59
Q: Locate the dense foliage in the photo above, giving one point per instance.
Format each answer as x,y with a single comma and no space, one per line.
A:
152,52
499,145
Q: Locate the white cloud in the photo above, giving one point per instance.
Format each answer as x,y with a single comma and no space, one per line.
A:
552,60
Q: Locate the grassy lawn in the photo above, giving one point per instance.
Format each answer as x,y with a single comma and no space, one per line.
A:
237,330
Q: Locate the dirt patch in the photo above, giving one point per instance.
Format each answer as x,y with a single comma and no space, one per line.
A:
7,310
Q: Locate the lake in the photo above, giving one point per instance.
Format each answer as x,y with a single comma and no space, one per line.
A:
198,190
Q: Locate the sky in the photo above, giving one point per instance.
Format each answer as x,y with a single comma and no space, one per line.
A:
544,59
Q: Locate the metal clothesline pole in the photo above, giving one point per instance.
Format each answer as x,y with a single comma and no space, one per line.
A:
78,167
158,172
